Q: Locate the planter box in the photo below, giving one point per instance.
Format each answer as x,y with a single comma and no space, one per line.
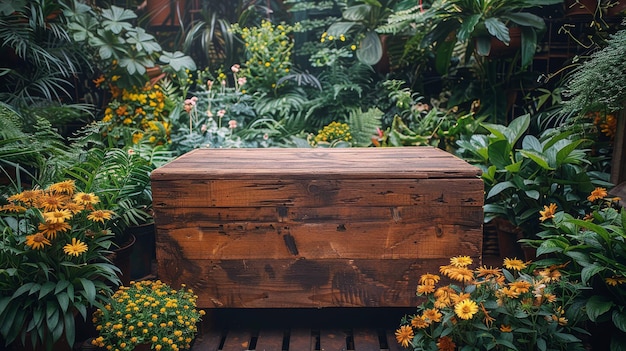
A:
313,227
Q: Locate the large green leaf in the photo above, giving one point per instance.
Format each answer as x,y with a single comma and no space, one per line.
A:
89,290
588,272
357,13
529,45
370,48
115,19
526,19
538,158
619,319
498,29
467,27
178,61
498,188
597,305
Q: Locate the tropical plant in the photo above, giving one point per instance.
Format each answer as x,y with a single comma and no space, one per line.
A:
53,253
121,51
554,167
39,64
361,19
519,307
148,312
594,249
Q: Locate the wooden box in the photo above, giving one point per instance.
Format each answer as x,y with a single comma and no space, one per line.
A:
313,227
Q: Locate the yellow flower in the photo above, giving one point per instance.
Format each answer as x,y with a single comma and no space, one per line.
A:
50,202
76,248
615,280
461,261
99,215
433,315
37,241
466,309
64,187
424,289
548,212
429,279
419,322
597,194
57,216
86,198
514,264
505,328
404,335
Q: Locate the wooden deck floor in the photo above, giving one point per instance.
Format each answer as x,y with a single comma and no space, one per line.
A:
330,329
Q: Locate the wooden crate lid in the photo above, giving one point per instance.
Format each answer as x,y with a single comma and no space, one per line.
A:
327,163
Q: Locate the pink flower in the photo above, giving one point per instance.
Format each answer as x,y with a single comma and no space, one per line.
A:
203,128
235,68
241,80
224,83
221,113
232,124
131,151
209,113
209,84
266,136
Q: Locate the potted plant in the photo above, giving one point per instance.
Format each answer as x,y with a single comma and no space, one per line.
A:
54,263
474,24
595,250
519,307
148,314
519,181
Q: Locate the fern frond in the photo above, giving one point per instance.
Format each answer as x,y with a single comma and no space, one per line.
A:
363,125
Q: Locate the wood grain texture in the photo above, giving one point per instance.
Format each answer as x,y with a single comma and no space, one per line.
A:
313,228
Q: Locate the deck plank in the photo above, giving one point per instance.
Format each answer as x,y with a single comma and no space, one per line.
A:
237,340
392,342
208,340
300,340
366,339
270,340
332,340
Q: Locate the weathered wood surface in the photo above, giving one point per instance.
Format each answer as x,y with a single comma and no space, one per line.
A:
300,330
254,228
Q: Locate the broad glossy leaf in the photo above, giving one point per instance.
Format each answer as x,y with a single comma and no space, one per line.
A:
483,45
89,290
498,188
116,17
443,55
538,158
338,28
357,13
178,61
551,245
370,48
619,319
526,19
500,153
467,27
563,155
498,29
597,305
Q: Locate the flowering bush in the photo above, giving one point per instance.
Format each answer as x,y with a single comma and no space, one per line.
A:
595,247
148,312
332,135
268,52
520,307
144,111
53,252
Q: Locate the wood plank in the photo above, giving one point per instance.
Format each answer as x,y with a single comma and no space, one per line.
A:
300,340
427,239
366,339
207,340
267,283
265,192
392,343
237,340
412,162
270,340
332,340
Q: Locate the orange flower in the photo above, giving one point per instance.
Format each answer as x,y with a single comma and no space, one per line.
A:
597,194
446,344
404,335
548,212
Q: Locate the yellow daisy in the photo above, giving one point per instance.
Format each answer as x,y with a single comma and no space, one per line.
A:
433,315
100,215
419,322
50,202
64,187
86,198
404,335
76,248
429,279
37,241
57,216
50,230
461,261
514,264
425,289
466,309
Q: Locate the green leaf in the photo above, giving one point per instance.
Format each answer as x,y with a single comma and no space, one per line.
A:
178,61
443,55
370,48
63,300
590,271
526,19
541,344
356,13
46,288
598,305
563,155
338,28
22,289
538,158
619,319
498,188
89,290
568,338
498,29
467,27
114,19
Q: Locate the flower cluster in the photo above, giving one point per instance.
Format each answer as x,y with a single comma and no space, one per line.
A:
54,247
148,312
268,52
518,307
333,50
144,111
332,133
